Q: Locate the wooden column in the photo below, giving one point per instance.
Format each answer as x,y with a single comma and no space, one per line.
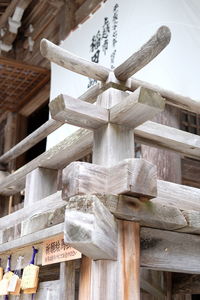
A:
67,280
168,163
107,279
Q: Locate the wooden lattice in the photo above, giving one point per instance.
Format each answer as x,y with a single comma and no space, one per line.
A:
18,83
190,122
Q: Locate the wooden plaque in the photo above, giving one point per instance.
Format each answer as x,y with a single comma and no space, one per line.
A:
13,283
55,251
30,277
17,288
32,290
4,287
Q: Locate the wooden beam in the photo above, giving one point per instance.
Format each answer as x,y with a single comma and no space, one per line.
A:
170,251
152,290
29,141
137,178
77,112
87,226
45,205
72,62
142,105
33,238
146,54
158,135
171,97
72,148
150,213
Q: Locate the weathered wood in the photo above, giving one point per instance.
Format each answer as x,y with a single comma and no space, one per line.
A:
140,106
45,205
180,196
186,284
151,213
85,279
129,258
152,290
112,143
67,280
170,251
171,97
135,177
84,178
43,220
49,126
146,54
77,112
72,62
40,183
161,157
72,148
91,228
163,136
32,139
190,172
33,238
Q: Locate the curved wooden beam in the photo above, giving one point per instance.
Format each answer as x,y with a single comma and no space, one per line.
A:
146,54
72,62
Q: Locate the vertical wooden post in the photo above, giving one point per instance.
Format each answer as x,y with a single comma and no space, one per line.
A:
168,163
40,183
106,279
67,280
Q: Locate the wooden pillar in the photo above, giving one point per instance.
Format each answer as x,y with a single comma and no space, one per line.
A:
168,163
67,280
107,279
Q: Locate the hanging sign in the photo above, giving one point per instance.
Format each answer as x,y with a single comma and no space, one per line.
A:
55,251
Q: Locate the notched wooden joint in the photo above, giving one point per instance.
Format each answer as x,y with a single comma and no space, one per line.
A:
134,177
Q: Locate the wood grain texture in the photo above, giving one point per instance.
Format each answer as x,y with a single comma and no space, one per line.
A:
171,97
162,136
144,55
85,279
112,143
31,140
170,251
91,228
40,183
135,177
140,106
129,260
83,178
76,112
72,62
150,213
67,280
72,148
